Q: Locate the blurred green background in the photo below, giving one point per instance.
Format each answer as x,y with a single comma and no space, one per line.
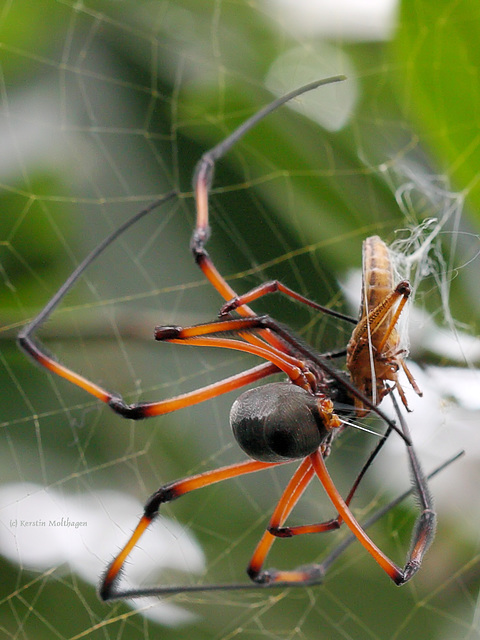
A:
105,106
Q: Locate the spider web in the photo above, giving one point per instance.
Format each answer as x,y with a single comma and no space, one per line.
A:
107,105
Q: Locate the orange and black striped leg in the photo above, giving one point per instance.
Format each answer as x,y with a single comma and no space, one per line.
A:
302,576
205,335
314,573
148,409
308,574
206,166
333,523
424,528
344,512
299,482
338,551
202,184
36,351
108,587
274,286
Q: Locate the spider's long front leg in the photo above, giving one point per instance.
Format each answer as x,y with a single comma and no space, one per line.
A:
205,170
202,184
28,343
36,351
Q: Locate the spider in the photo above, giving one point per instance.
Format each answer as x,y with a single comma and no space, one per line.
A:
275,423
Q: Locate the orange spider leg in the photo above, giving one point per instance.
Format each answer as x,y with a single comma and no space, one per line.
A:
333,523
210,391
202,183
225,290
165,494
314,573
292,493
387,565
291,366
64,372
149,409
423,535
272,286
290,497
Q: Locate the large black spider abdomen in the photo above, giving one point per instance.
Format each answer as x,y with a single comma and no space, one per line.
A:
277,422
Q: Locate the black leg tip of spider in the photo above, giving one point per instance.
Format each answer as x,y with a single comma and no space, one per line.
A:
166,333
309,574
104,592
27,344
22,339
107,586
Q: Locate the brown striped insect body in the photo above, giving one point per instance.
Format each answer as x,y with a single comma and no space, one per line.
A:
374,352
